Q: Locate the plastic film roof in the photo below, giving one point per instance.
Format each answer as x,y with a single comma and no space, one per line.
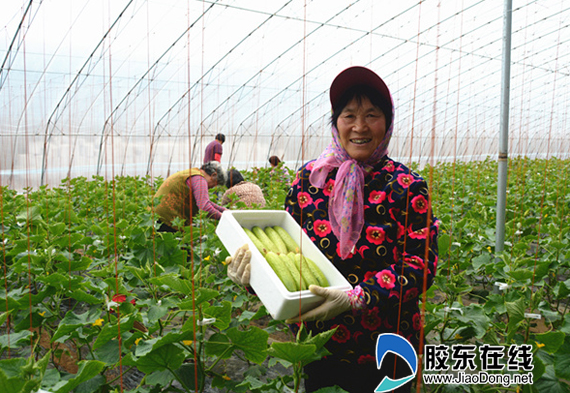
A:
140,87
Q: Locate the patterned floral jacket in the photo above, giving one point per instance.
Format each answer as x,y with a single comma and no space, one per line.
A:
387,262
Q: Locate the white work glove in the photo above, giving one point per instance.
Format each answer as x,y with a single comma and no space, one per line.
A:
238,265
336,302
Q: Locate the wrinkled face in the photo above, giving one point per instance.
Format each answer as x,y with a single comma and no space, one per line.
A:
361,128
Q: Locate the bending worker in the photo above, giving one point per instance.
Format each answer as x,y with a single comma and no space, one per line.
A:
184,193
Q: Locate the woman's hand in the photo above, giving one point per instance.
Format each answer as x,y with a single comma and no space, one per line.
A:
336,302
238,265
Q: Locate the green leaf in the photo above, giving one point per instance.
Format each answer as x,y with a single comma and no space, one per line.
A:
566,324
443,243
111,331
550,383
4,317
26,323
146,346
253,343
175,283
59,281
161,378
541,270
71,322
481,260
551,340
87,369
187,375
222,314
474,316
521,275
15,339
219,345
144,255
155,312
515,311
320,339
57,229
91,385
538,368
72,266
168,356
561,289
42,364
82,296
562,360
291,351
17,385
108,352
32,214
12,367
202,295
51,377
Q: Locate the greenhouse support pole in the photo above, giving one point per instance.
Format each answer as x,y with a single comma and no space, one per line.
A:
504,130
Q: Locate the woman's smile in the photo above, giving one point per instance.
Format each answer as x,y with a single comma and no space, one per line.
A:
360,141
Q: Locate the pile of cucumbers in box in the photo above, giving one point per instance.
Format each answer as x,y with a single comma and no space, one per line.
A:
294,270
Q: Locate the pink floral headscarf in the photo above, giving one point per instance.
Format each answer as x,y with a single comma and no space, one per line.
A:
346,207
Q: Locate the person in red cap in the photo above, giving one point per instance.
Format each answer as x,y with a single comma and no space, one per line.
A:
371,217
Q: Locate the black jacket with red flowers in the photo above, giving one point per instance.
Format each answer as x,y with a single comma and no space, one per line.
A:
387,262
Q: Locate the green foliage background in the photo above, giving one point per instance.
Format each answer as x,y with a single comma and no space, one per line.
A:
84,266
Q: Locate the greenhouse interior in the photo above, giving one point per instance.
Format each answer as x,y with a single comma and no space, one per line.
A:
437,262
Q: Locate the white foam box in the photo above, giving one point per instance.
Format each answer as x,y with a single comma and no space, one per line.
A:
278,301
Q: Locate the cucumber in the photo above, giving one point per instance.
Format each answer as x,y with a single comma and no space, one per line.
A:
276,239
323,282
267,243
281,270
299,282
287,239
255,241
304,270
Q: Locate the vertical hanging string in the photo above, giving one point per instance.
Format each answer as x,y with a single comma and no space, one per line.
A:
69,205
303,131
454,165
429,206
4,240
190,198
532,306
4,237
47,190
151,133
27,188
409,163
113,195
522,165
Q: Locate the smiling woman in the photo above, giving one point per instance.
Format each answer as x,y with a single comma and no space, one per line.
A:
371,217
380,234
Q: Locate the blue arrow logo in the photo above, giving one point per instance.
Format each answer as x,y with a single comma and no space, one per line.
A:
393,343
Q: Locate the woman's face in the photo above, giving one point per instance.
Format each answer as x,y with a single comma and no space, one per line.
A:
361,128
212,180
